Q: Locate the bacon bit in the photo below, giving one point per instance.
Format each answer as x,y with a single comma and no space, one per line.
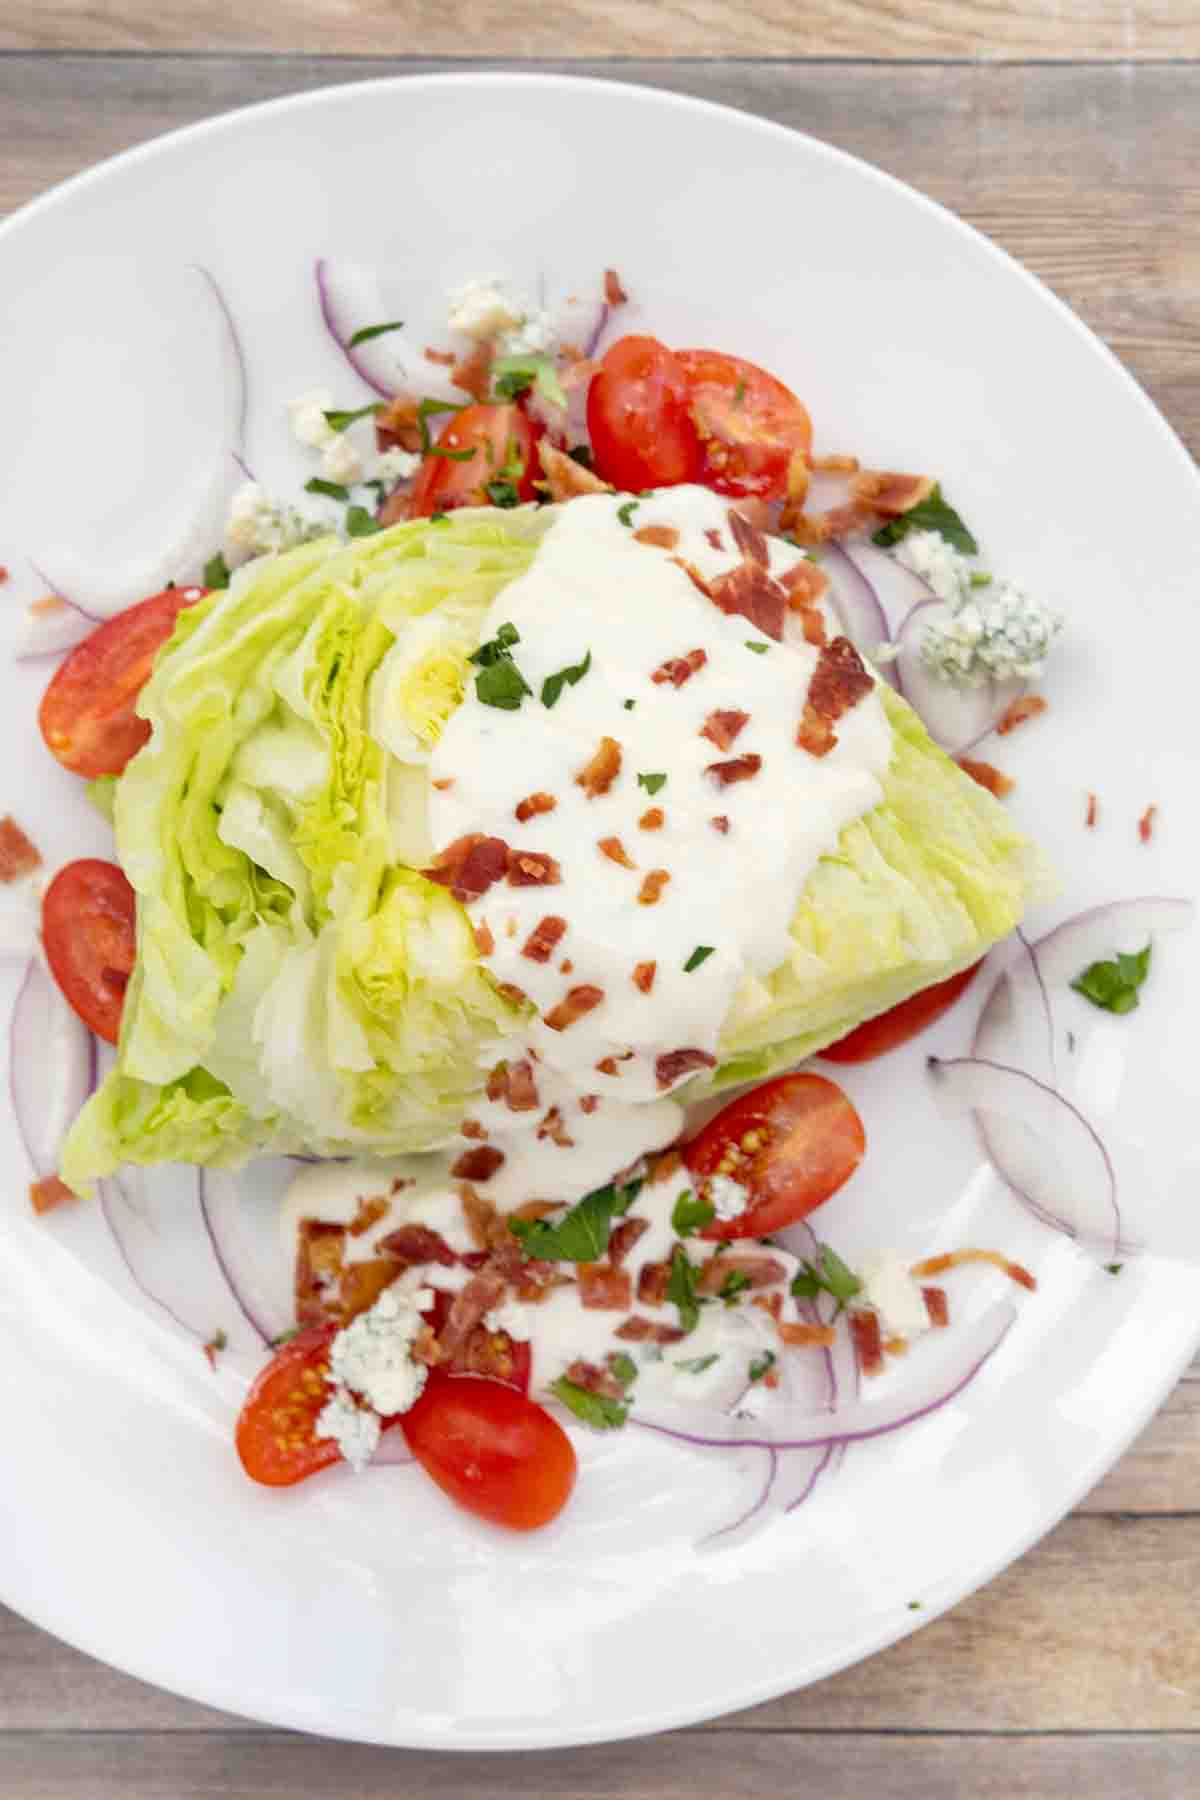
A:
756,512
868,1345
217,1342
674,1063
542,941
479,1164
417,1244
614,293
470,865
1027,707
565,966
4,576
362,1283
665,1166
17,855
937,1305
750,541
956,1259
447,781
678,669
599,773
485,1352
738,768
714,537
654,1279
471,1303
799,478
48,603
838,683
530,868
643,976
624,1237
652,887
473,372
663,537
485,943
514,1084
720,823
694,576
637,1330
595,1380
578,1002
607,1066
49,1192
987,775
749,591
653,819
320,1256
482,1219
1146,824
835,465
588,1102
552,1127
1093,811
804,585
398,426
896,1346
813,531
614,849
533,804
516,996
886,492
564,478
822,1335
367,1213
445,359
760,1272
771,1304
471,1128
603,1288
722,727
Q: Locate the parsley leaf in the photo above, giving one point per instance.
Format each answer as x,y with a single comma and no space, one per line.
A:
502,684
582,1234
758,648
553,685
594,1409
681,1289
700,954
216,572
502,493
1113,1268
828,1275
367,332
361,523
1114,985
762,1365
696,1365
690,1213
490,652
338,421
930,514
516,374
625,513
652,783
336,490
623,1367
733,1286
429,409
450,455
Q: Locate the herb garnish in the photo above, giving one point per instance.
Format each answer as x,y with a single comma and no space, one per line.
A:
499,681
700,954
216,572
360,522
629,705
696,1365
930,514
623,1367
681,1289
368,332
338,421
979,579
1114,985
553,685
502,493
652,783
593,1409
758,648
429,409
335,490
733,1286
285,1337
514,375
762,1365
625,513
690,1213
828,1275
1113,1268
581,1235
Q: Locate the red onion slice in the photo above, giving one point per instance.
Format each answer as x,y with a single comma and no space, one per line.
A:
52,1066
242,1229
857,604
1101,931
957,718
349,298
138,1244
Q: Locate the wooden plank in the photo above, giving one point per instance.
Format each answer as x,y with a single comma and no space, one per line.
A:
1084,174
775,28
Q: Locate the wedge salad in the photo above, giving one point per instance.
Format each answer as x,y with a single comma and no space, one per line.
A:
555,770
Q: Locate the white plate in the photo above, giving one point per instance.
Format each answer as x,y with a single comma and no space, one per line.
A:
367,1608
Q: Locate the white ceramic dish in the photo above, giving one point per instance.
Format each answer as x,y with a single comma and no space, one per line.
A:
367,1608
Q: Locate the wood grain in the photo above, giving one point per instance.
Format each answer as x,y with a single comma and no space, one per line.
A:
888,29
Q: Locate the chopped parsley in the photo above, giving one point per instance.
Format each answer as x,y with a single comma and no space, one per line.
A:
502,493
691,1213
696,1365
1113,1268
625,513
216,572
429,409
734,1286
930,514
739,393
759,649
335,490
361,523
629,705
979,579
515,375
762,1365
553,685
338,421
581,1235
367,332
1114,985
499,681
652,783
681,1289
597,1410
700,954
623,1367
451,455
828,1275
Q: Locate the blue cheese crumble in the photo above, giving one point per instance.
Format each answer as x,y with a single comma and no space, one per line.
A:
990,631
373,1371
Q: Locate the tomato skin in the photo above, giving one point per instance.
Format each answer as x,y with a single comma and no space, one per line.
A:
750,425
814,1141
284,1403
87,715
493,1451
638,419
90,939
875,1037
498,435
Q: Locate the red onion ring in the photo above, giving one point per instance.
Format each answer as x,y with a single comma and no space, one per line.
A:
858,606
52,1066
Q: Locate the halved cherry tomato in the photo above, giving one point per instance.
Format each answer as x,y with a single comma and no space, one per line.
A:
749,424
87,713
89,935
481,444
638,420
276,1429
491,1353
492,1450
791,1143
877,1036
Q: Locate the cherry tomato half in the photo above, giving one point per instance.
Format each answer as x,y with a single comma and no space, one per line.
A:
90,939
480,445
492,1450
749,424
276,1429
87,713
875,1037
638,420
791,1143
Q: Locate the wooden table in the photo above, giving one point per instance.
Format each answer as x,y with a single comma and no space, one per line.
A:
1071,134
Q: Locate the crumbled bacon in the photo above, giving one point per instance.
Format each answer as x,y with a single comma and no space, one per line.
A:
758,1272
755,595
588,1102
601,770
988,776
624,1236
838,683
614,849
1027,707
483,1221
508,990
565,966
470,865
445,359
835,465
532,804
652,887
320,1259
956,1259
937,1306
367,1213
607,1066
797,1335
754,511
720,823
771,1304
637,1330
416,1244
714,537
804,585
485,941
673,1063
17,855
361,1285
1093,810
643,976
614,292
552,1127
471,1128
473,372
663,537
738,768
49,1192
654,1278
530,868
603,1288
888,493
653,819
1146,824
812,530
868,1344
693,574
478,1164
513,1083
446,781
469,1306
565,479
665,1166
751,542
542,941
678,669
398,426
595,1380
577,1002
722,727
